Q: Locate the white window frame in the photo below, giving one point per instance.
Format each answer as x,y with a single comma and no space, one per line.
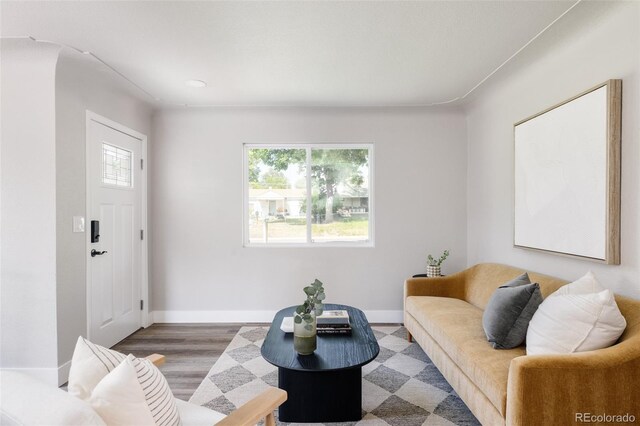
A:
308,147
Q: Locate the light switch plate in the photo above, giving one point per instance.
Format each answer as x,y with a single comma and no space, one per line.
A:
78,224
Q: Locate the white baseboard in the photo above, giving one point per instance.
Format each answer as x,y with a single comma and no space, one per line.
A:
251,316
63,373
52,376
385,317
46,375
212,316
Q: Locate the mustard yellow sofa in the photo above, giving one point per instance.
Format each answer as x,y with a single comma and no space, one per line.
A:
444,315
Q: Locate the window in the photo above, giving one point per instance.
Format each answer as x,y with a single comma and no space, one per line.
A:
308,195
116,166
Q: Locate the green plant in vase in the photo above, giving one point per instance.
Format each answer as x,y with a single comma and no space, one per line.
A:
433,264
304,320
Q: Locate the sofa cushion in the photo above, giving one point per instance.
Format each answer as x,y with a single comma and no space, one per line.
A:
465,343
196,415
483,279
506,318
28,401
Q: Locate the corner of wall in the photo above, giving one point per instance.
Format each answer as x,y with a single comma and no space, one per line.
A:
29,334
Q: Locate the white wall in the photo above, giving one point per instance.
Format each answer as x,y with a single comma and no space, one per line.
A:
198,263
28,190
81,84
597,41
199,268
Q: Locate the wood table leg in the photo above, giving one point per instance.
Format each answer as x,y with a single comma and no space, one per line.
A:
409,337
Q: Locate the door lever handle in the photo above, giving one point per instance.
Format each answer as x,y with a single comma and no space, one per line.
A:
95,253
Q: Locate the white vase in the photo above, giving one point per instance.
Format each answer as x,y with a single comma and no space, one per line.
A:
433,271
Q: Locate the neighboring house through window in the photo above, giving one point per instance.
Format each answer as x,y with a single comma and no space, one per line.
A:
282,181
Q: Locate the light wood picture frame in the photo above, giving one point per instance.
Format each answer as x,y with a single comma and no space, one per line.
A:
567,176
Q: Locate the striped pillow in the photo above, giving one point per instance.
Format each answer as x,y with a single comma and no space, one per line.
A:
156,392
135,393
90,363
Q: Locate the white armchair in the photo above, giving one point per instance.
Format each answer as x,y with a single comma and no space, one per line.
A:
28,401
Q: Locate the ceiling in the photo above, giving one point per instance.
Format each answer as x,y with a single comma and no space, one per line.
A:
299,53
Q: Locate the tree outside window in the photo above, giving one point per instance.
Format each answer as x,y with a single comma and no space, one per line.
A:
337,186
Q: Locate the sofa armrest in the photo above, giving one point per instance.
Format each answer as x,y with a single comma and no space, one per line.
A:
156,359
448,286
563,389
256,409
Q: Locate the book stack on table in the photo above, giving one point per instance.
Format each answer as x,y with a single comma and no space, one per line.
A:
333,322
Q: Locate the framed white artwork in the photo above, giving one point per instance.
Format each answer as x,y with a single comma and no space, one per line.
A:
567,176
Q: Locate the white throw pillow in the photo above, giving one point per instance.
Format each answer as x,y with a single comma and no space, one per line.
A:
89,364
580,316
583,285
135,393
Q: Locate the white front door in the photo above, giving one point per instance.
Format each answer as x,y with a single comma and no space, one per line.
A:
114,261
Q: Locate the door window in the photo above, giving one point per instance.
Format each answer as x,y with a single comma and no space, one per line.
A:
116,166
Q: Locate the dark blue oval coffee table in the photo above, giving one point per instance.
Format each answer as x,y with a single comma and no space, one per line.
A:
327,385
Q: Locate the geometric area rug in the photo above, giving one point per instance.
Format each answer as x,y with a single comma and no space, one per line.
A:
401,387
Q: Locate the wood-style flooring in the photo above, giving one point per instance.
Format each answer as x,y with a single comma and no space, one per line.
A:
190,350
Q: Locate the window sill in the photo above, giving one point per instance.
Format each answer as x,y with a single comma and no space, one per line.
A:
364,244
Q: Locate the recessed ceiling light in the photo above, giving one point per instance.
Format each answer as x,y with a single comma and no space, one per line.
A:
196,83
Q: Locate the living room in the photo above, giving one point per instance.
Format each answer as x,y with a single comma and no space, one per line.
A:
429,90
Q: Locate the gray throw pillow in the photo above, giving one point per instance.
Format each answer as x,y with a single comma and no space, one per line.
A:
506,317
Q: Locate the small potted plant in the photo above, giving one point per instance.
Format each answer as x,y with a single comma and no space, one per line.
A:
304,320
433,265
